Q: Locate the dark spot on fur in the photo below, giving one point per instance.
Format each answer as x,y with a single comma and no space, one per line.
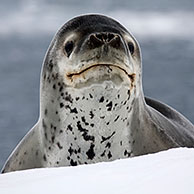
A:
69,127
59,145
73,163
101,99
56,112
44,125
68,97
90,95
70,150
37,152
88,137
61,105
80,128
109,155
84,120
45,112
108,145
91,115
74,110
44,157
53,139
92,124
61,88
45,134
54,86
107,138
61,131
129,93
116,118
103,154
90,153
77,98
125,102
109,105
50,65
85,131
126,153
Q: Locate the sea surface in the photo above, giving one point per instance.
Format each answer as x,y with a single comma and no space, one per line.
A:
164,29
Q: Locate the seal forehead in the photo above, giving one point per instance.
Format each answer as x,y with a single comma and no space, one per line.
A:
93,23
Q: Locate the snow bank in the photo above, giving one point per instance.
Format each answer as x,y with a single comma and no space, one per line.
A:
169,171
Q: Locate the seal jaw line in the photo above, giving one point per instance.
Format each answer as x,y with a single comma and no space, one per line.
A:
131,76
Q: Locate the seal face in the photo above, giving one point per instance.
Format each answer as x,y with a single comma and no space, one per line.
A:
92,106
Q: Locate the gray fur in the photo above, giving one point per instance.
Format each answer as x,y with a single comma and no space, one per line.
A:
92,106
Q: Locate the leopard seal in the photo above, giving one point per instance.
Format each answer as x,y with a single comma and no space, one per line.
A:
92,106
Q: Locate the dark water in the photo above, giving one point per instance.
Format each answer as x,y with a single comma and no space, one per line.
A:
168,61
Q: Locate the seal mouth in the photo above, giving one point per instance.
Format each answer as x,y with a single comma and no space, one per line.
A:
75,74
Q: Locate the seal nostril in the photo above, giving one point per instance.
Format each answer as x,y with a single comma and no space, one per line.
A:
100,37
95,41
69,48
115,42
105,37
110,36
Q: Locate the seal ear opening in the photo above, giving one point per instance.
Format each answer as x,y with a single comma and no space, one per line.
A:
68,48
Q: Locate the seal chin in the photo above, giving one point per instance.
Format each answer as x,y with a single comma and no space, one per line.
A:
98,73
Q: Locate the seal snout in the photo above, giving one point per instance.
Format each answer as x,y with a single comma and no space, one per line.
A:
96,40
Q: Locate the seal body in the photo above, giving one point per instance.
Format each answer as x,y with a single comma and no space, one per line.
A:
92,106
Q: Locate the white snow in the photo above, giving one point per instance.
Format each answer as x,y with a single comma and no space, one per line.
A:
167,172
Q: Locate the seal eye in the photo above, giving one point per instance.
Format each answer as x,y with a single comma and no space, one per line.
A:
131,47
68,48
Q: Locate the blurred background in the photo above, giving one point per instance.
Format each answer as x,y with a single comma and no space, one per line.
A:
164,29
